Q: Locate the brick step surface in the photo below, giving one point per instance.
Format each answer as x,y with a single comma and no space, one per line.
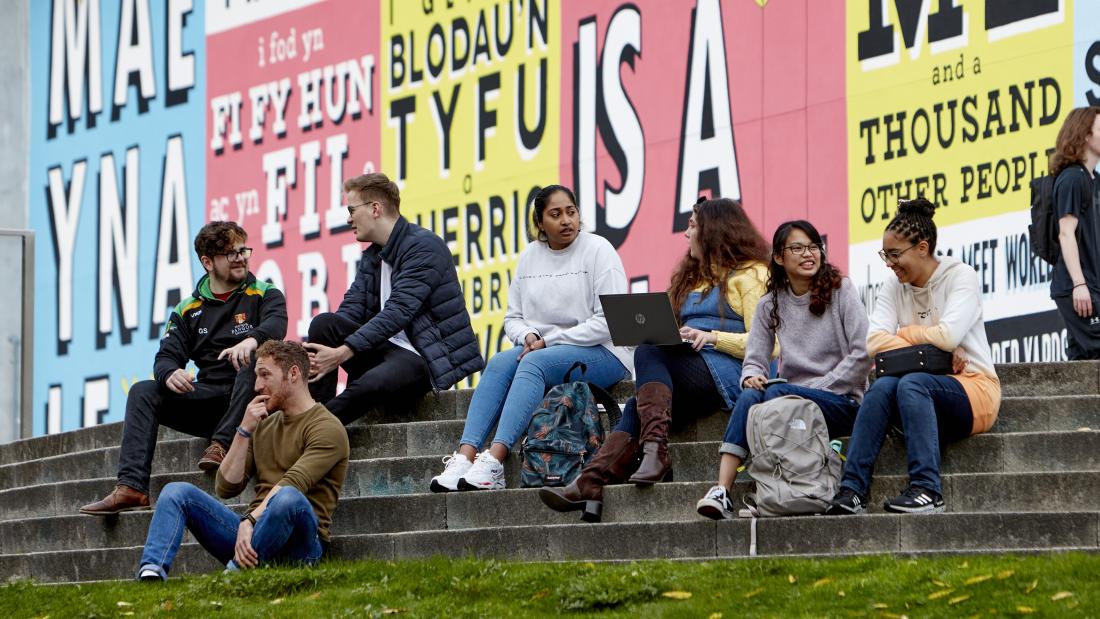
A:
674,502
424,438
699,539
1071,378
988,453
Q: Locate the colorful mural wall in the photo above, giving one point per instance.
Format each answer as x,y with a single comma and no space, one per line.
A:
151,118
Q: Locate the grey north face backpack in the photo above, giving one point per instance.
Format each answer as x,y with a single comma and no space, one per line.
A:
795,469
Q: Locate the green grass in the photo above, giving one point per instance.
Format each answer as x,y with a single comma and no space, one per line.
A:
1062,585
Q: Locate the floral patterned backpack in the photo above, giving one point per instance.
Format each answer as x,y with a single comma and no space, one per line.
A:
565,432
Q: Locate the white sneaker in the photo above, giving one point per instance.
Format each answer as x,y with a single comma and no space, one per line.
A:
716,505
456,466
487,473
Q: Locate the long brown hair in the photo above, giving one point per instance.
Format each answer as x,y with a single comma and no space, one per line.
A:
827,279
728,240
1075,131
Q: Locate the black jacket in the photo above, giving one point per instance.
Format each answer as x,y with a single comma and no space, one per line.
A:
202,326
425,301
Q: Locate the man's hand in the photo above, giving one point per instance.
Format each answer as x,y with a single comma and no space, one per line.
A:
755,382
243,554
254,413
959,360
323,359
698,339
179,381
241,354
1082,301
530,343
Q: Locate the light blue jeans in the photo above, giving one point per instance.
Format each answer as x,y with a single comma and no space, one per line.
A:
510,388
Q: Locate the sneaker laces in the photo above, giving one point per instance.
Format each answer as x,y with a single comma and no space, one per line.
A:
717,493
913,492
452,461
483,465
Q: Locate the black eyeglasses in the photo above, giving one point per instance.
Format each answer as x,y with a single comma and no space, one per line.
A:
243,253
797,249
892,256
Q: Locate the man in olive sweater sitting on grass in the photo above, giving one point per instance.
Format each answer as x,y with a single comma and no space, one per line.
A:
298,452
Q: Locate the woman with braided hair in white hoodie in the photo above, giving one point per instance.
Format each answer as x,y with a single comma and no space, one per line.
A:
933,300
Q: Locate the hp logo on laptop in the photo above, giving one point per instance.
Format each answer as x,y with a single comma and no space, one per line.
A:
639,318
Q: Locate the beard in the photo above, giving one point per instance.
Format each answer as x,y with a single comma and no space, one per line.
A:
275,400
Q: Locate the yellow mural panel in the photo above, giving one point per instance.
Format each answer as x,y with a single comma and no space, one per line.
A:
470,99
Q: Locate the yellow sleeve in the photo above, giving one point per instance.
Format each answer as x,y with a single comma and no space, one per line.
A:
745,289
935,335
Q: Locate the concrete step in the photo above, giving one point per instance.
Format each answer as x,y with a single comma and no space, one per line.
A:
66,498
699,539
429,438
1047,379
988,453
980,492
441,406
1017,380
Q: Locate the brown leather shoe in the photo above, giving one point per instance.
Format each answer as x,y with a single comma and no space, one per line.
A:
122,499
212,458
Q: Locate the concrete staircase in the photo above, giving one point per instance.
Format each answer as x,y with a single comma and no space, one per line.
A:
1033,483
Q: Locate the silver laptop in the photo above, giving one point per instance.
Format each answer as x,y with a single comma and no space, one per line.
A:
644,318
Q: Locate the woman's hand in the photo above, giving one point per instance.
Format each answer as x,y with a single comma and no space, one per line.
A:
698,339
755,382
530,343
1082,301
959,360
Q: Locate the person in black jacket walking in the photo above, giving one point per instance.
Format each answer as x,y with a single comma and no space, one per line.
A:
402,328
219,327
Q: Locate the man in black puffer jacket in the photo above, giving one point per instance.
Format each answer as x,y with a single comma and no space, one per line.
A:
402,328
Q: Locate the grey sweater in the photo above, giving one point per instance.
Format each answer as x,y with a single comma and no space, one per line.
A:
827,352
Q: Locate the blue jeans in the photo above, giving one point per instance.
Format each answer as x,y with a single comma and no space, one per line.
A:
287,530
932,411
510,388
839,412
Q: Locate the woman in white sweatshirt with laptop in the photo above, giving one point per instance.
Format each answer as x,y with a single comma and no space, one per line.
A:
555,319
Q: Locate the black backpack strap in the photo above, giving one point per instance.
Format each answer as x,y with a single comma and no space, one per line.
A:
578,364
602,397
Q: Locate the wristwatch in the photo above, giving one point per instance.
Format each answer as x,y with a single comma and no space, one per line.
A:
248,516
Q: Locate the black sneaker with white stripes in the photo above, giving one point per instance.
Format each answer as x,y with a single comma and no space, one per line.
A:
915,500
846,502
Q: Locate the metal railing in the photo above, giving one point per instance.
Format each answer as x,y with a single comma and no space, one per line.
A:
17,334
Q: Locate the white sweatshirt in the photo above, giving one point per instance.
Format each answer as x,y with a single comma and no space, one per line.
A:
556,294
947,313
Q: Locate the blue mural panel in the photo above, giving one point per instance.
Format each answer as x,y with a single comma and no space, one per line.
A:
116,193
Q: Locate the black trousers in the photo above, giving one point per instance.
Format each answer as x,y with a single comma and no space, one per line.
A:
210,411
1083,333
383,377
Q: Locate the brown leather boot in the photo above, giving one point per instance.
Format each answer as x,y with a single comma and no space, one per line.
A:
611,465
122,499
655,413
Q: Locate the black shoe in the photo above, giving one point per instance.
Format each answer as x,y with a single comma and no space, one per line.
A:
845,503
915,500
